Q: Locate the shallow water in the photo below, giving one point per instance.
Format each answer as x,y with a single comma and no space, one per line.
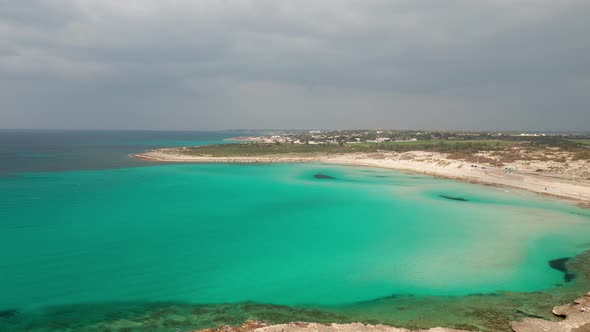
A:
164,247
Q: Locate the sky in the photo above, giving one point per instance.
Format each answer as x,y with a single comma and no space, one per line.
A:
221,64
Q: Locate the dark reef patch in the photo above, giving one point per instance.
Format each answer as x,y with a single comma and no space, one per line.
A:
323,177
579,214
164,316
381,176
7,313
483,294
385,298
453,198
560,264
526,314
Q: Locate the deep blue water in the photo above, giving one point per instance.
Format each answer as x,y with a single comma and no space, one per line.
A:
63,150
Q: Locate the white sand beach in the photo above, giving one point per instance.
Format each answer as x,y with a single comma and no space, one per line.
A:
563,182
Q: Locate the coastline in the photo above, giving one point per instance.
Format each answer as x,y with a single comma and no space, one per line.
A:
422,162
575,318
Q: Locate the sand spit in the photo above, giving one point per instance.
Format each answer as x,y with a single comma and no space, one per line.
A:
559,184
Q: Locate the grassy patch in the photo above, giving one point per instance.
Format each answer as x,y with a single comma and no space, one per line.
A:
423,143
501,150
581,141
262,149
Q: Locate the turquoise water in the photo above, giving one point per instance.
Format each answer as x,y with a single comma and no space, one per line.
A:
272,233
89,242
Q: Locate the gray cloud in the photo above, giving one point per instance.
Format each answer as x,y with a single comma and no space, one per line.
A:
495,64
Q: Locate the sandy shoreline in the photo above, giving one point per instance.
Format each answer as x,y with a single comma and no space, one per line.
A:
430,163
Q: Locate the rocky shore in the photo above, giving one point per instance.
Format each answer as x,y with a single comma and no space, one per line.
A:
255,326
576,319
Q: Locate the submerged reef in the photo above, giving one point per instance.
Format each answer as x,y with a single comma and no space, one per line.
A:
7,313
452,198
560,264
576,319
476,312
324,177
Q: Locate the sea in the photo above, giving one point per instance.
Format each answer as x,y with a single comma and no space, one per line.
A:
92,239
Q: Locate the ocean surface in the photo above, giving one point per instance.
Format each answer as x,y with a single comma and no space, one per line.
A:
93,240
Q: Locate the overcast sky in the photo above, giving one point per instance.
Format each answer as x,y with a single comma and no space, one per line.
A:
220,64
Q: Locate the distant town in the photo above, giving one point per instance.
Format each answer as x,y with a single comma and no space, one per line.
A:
316,137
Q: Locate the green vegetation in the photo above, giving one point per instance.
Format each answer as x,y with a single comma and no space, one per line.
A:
581,141
504,151
435,142
260,149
